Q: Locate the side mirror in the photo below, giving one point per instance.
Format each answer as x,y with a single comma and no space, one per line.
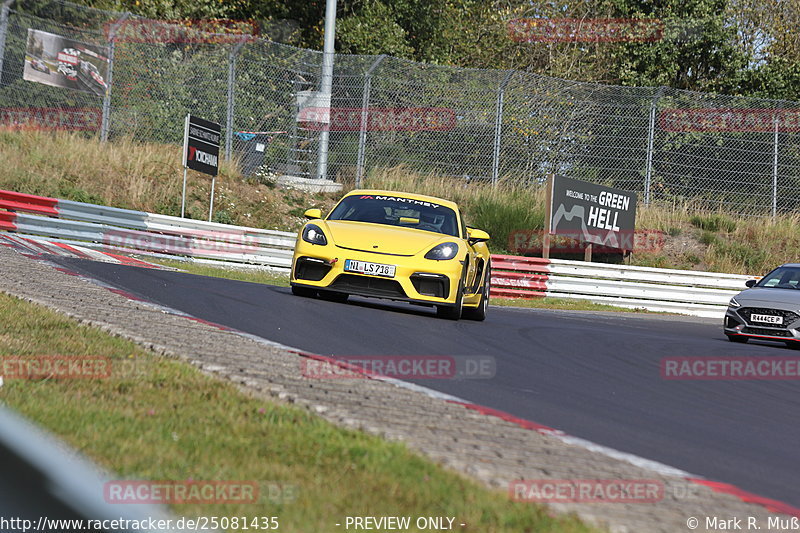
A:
750,283
474,236
313,214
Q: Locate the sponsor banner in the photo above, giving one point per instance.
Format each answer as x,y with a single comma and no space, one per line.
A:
572,30
531,242
181,492
400,367
378,118
587,490
191,242
595,213
730,368
197,31
51,118
730,120
201,145
55,367
61,62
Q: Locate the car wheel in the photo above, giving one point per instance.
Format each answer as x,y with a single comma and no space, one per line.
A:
453,312
303,291
479,313
737,338
332,296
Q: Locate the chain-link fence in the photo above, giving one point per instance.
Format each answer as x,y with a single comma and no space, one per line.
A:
738,154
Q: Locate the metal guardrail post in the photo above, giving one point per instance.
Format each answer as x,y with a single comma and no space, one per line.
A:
231,87
362,129
498,126
4,11
651,133
104,126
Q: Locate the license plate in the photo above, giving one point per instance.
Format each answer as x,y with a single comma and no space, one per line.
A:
767,319
374,269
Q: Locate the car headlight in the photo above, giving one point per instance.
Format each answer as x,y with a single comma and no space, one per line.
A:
314,235
733,303
442,252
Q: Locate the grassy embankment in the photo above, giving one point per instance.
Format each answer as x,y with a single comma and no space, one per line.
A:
148,177
161,419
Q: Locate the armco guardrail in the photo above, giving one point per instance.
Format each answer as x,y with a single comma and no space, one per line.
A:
655,289
138,231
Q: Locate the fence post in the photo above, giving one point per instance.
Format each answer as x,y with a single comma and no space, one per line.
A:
775,171
4,11
231,87
326,84
107,97
362,128
498,126
651,133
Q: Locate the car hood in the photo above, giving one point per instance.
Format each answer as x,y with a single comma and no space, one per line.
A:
767,297
379,238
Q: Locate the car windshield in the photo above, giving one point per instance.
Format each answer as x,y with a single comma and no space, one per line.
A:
397,211
782,278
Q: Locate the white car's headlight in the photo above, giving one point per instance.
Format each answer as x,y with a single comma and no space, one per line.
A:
313,234
442,252
733,303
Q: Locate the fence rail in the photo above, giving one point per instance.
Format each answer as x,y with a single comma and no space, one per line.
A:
137,231
738,154
689,292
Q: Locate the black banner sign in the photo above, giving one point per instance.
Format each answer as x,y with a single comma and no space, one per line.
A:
598,214
201,145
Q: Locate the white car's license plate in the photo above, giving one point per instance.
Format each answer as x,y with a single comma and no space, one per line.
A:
767,319
363,267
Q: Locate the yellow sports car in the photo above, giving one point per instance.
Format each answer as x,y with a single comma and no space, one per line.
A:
398,246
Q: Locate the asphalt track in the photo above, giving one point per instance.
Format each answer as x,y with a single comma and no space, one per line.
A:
592,375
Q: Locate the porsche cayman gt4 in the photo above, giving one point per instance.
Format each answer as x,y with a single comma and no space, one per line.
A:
397,246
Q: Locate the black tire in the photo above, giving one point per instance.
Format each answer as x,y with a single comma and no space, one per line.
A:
331,296
737,338
303,291
453,312
479,313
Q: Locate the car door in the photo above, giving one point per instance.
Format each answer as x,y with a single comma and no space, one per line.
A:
473,256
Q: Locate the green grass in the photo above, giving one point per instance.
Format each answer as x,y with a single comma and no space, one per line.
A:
568,304
162,419
225,271
713,223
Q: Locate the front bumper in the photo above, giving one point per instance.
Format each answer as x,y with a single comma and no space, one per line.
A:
737,323
416,279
